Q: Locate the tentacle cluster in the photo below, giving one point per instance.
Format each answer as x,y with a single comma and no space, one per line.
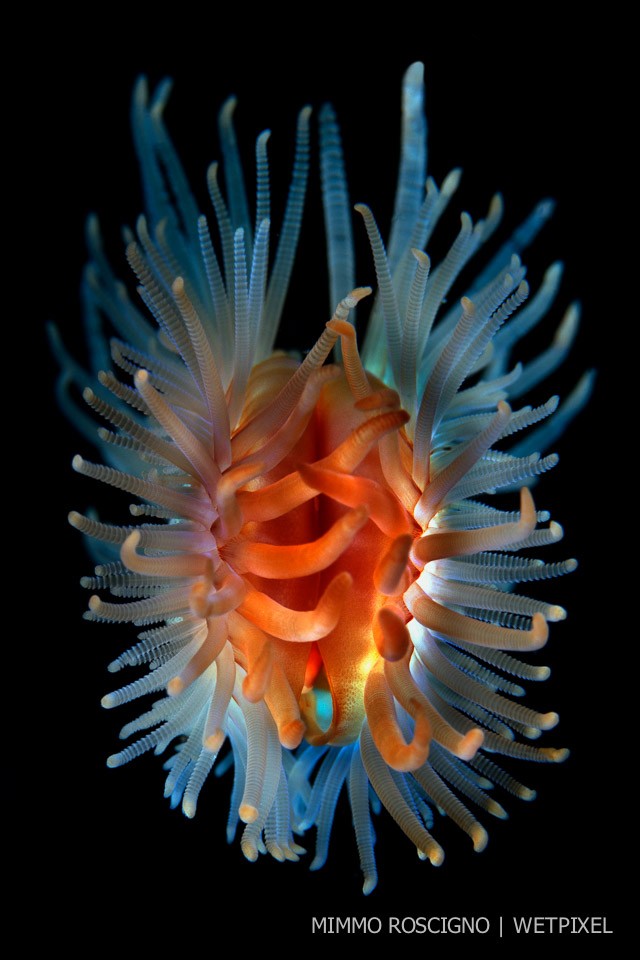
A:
316,581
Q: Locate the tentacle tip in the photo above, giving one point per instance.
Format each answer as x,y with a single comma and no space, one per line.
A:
391,634
132,540
248,814
75,519
497,810
359,293
214,741
108,701
414,74
369,885
343,581
526,502
436,856
496,204
470,744
549,720
480,838
421,257
556,531
175,686
249,850
557,754
291,734
539,632
252,692
289,855
276,852
199,603
360,515
114,761
189,808
526,793
228,107
451,182
555,614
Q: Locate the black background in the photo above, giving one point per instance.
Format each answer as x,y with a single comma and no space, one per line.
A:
525,110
